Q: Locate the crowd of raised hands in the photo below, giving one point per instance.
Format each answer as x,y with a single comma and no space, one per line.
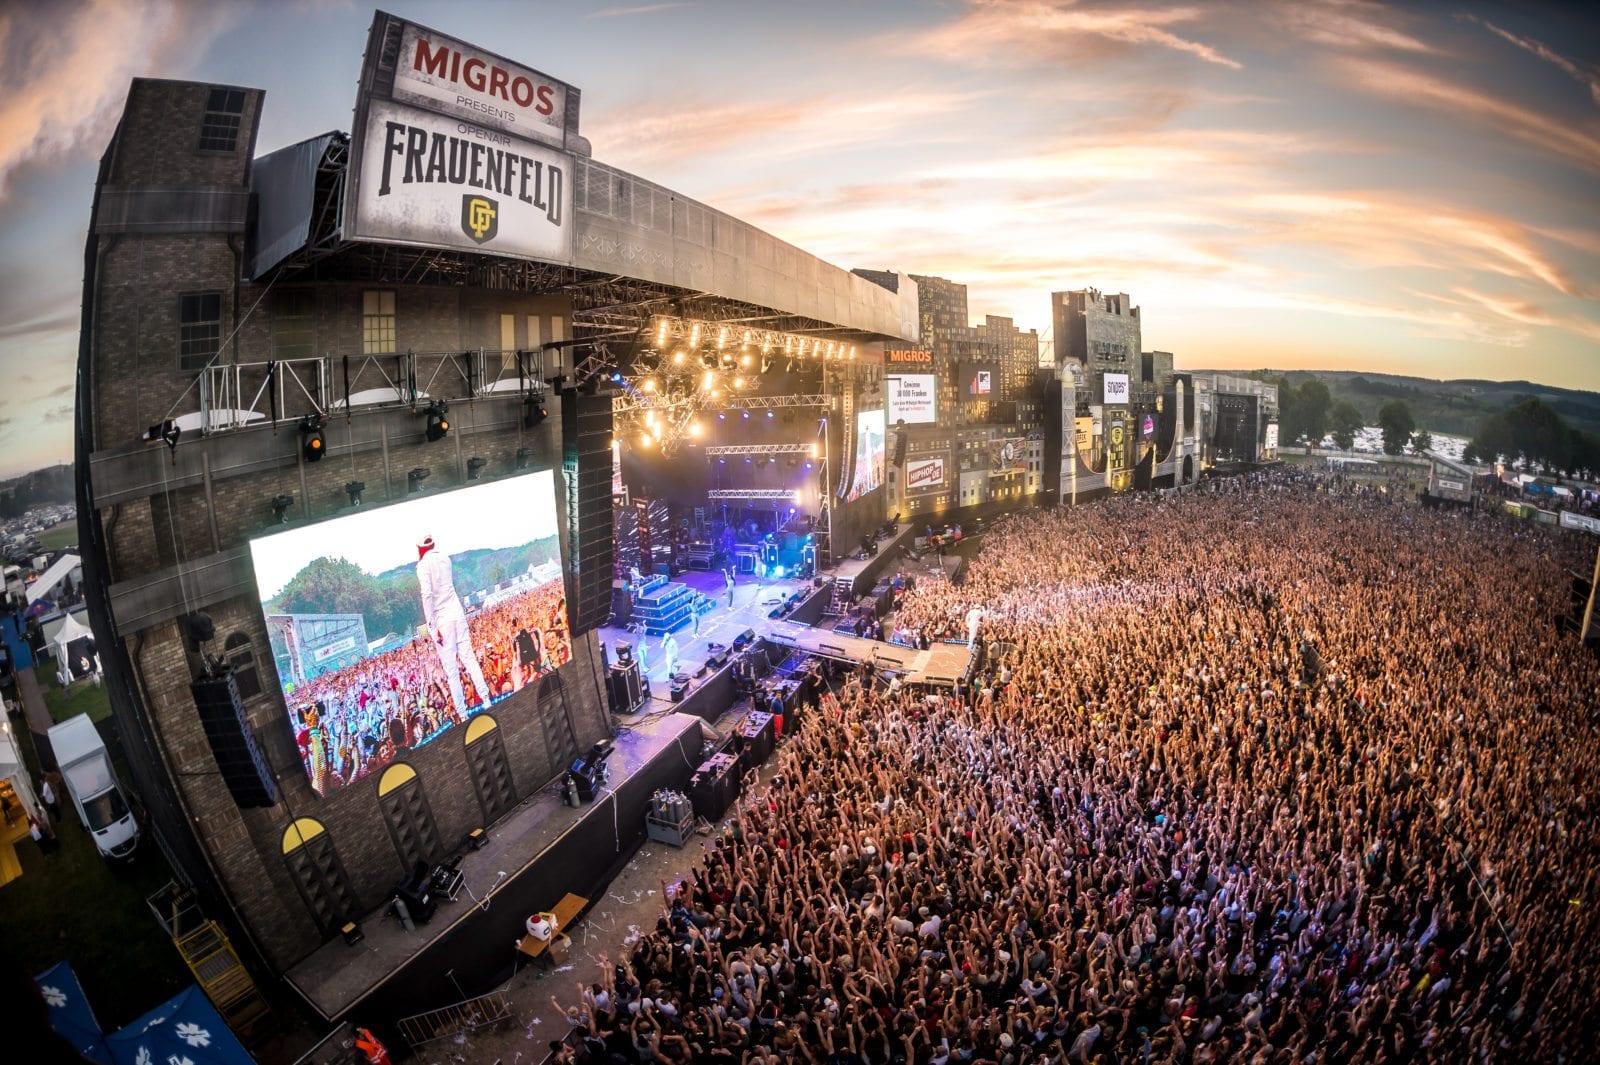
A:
1269,774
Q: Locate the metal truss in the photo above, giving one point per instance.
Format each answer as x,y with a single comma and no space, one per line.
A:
636,401
752,495
720,450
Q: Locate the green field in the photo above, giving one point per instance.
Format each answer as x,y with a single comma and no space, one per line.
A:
81,697
59,536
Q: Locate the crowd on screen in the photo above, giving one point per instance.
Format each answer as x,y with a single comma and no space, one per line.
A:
1263,773
360,718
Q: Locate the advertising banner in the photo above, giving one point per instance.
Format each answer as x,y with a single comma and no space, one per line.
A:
442,182
1452,486
924,474
1116,389
1147,427
443,74
389,625
912,398
977,381
1117,445
1569,520
1272,436
909,359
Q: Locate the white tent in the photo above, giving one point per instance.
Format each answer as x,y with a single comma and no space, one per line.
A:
53,576
71,629
13,768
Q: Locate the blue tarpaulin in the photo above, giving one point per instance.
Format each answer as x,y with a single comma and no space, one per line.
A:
11,631
70,1014
184,1030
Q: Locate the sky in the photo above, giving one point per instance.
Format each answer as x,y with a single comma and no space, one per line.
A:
488,516
1319,184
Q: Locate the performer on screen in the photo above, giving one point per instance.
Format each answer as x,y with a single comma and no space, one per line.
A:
529,643
447,624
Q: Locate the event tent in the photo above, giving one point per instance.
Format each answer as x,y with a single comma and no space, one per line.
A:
13,768
70,1014
70,632
58,571
185,1028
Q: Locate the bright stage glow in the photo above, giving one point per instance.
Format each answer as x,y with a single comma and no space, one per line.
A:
381,646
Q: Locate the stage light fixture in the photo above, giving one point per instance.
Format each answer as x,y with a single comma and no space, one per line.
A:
709,380
661,333
438,422
647,439
694,429
738,382
648,385
769,414
280,508
353,489
694,335
475,467
523,456
745,415
312,445
534,411
677,358
415,477
722,337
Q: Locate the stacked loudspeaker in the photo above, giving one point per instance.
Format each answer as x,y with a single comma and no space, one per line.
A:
222,715
586,442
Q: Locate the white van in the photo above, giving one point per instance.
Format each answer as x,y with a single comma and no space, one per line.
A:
85,766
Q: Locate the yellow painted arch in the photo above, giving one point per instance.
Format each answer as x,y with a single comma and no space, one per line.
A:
300,832
394,776
479,727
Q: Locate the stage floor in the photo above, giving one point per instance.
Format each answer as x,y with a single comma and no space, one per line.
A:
338,976
753,599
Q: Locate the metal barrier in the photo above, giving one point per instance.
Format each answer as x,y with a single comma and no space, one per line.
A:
465,1016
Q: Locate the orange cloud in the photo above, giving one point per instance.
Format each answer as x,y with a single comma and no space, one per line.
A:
1052,31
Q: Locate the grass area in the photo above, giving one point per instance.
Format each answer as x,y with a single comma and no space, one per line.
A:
81,697
73,904
59,536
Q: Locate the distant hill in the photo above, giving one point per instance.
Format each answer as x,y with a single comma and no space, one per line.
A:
54,484
1442,406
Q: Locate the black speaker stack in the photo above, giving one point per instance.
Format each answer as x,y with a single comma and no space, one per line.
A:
586,446
755,736
249,781
680,686
715,785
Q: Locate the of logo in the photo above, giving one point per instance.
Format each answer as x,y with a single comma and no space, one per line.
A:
925,474
480,218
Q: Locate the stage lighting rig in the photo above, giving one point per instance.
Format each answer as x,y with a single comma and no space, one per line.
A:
415,477
353,489
534,412
312,446
438,422
280,509
475,467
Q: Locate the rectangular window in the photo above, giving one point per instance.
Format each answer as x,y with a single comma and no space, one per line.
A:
219,129
377,323
199,329
294,326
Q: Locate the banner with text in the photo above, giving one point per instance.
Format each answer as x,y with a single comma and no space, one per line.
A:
911,398
924,474
1116,390
442,182
443,74
1569,520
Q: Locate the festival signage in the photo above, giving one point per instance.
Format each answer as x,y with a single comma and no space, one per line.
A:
1116,389
1272,436
1452,486
909,358
977,381
446,183
1008,456
924,474
449,76
1569,520
912,398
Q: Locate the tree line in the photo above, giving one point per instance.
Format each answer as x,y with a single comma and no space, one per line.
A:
1530,434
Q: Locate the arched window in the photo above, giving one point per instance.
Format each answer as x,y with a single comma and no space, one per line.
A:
242,657
318,874
491,772
405,811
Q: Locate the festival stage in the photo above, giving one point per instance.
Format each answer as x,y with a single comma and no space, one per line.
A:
547,850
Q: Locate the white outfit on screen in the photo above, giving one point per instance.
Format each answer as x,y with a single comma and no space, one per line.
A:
447,627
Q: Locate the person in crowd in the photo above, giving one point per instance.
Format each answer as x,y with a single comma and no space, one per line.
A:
1277,771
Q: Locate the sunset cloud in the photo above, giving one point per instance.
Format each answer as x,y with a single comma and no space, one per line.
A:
1063,30
1587,76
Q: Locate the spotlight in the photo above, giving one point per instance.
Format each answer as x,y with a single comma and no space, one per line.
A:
769,414
311,443
415,478
616,377
475,466
438,424
353,489
523,455
280,508
746,415
533,411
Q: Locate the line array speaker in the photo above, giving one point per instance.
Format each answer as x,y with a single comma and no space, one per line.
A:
222,715
586,423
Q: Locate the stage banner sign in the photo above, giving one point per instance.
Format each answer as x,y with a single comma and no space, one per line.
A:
1272,436
1116,389
1008,456
912,398
1569,520
924,474
443,74
446,183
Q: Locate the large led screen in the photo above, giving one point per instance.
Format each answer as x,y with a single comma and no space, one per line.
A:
868,472
391,624
977,381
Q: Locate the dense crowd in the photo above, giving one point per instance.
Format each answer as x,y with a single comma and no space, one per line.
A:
354,720
1267,773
